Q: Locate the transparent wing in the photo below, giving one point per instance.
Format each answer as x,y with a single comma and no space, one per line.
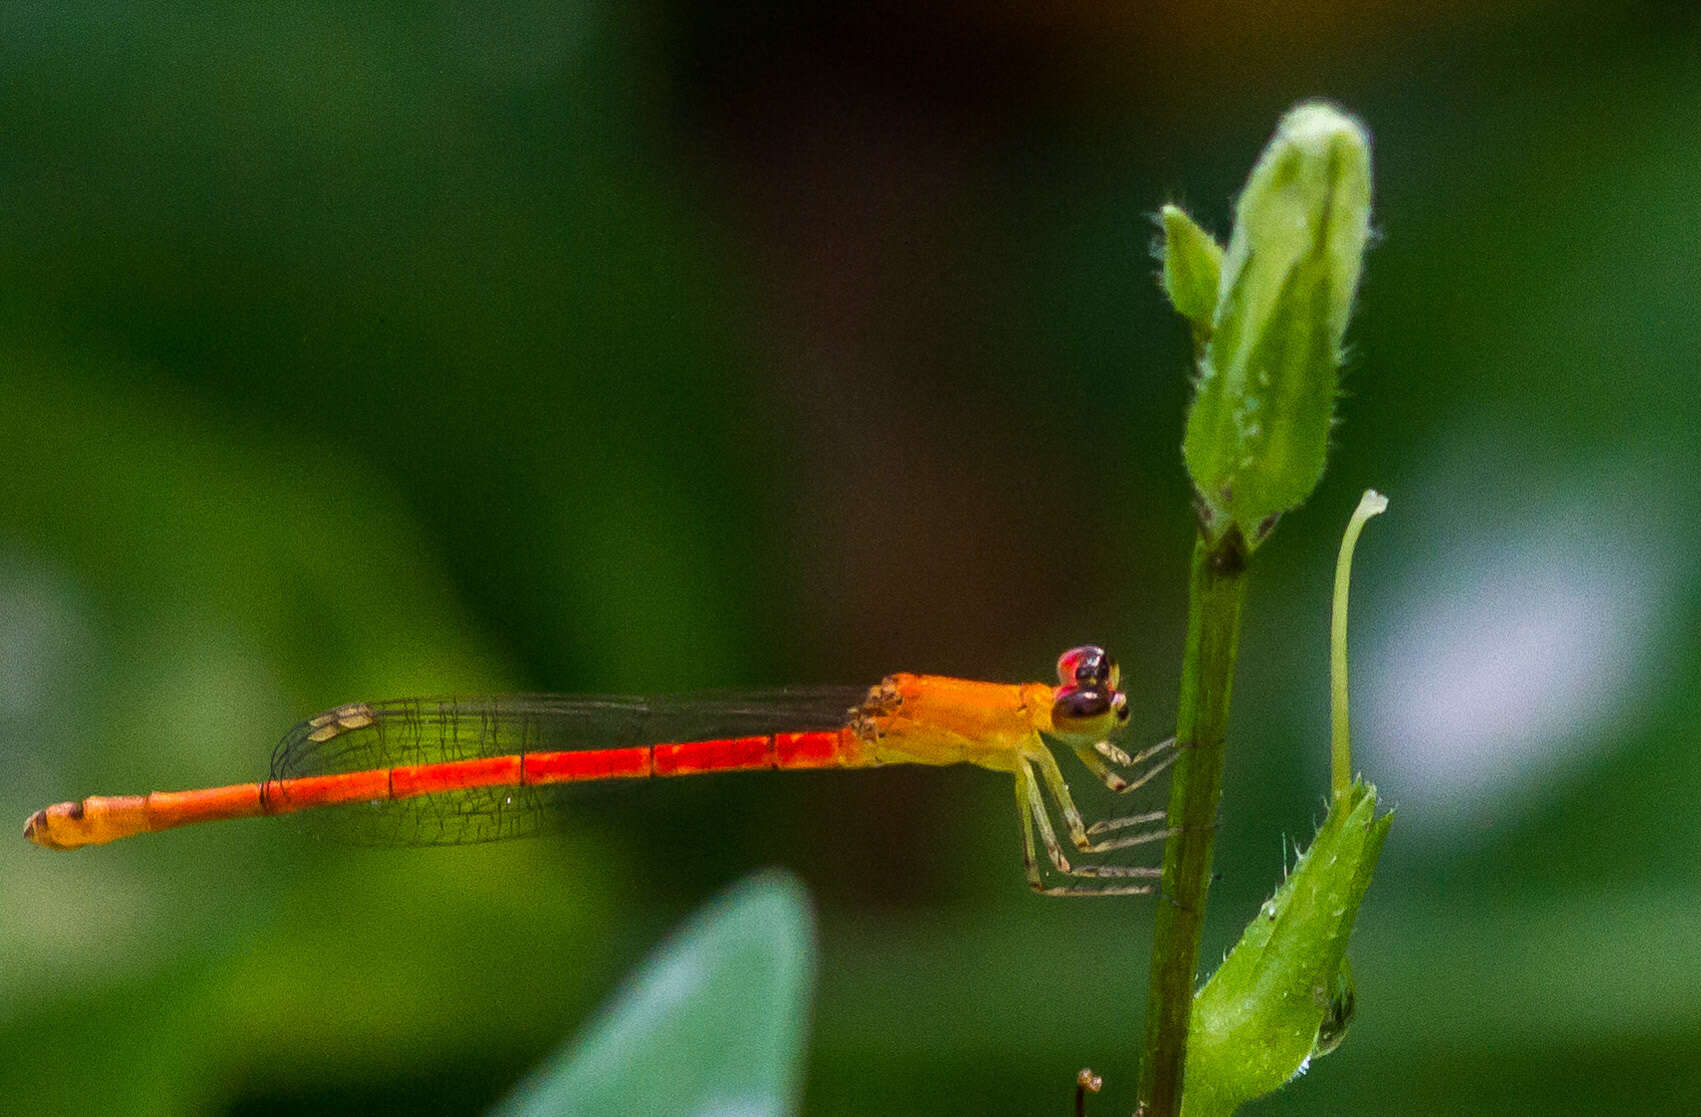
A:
364,736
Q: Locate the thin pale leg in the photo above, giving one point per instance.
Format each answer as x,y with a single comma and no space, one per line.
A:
1042,818
1079,832
1084,880
1030,862
1106,761
1103,760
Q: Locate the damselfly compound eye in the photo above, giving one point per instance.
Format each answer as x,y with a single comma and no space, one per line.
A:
1087,666
1079,712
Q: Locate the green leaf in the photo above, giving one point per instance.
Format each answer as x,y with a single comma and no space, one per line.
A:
1258,430
713,1022
1193,264
1284,993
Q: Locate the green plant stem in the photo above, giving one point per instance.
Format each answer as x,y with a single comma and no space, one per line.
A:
1371,504
1217,590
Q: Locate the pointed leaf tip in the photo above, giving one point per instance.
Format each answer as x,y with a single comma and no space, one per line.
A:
1192,267
714,1021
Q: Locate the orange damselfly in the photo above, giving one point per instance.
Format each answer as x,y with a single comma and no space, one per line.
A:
425,771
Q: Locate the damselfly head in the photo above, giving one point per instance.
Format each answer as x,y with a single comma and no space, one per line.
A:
1088,705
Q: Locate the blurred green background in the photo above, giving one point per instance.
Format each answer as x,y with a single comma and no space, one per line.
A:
353,351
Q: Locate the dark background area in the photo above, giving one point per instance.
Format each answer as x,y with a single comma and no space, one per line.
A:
360,351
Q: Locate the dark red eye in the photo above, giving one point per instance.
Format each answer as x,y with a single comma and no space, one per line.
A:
1087,713
1073,708
1087,666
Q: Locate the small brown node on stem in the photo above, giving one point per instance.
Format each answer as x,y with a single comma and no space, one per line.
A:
1228,555
1085,1082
